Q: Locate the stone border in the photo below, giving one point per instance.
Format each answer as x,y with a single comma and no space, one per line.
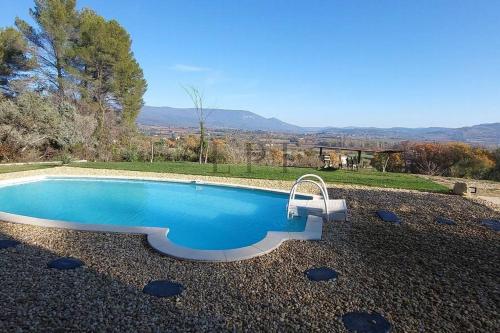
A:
158,237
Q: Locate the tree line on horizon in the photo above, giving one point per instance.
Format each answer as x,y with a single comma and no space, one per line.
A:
450,159
69,84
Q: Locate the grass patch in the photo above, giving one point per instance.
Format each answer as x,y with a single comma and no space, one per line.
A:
24,167
363,177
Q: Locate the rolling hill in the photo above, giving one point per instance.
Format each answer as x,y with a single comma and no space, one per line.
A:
217,118
484,134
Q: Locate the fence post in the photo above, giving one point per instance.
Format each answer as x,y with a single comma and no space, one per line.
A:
214,148
152,151
249,156
285,157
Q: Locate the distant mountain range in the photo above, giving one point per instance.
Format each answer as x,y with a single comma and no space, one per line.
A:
217,118
486,134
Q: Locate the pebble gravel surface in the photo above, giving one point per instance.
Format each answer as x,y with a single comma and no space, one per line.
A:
421,276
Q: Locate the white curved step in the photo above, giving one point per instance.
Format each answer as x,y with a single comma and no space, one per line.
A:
337,208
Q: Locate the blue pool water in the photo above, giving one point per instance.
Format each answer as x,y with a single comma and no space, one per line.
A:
198,216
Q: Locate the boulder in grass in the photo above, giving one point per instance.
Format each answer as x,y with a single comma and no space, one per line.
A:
364,322
460,188
388,216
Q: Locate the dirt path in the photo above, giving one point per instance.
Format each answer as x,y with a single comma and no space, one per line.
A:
487,190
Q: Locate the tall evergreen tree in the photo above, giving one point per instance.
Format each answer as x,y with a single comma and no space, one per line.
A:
79,55
109,75
15,58
129,86
56,20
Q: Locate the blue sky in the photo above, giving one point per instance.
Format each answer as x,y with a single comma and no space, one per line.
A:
315,63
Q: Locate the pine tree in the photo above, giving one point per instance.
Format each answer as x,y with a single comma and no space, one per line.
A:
56,20
108,73
109,77
129,86
16,58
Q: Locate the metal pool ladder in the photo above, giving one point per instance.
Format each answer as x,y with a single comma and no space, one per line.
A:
292,207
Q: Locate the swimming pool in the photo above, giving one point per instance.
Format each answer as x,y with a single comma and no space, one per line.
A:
185,219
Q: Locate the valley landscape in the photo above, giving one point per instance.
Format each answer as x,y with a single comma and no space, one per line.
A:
117,215
487,135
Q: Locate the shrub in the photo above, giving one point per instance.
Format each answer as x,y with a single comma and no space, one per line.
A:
495,171
218,151
130,155
307,158
65,158
388,162
450,159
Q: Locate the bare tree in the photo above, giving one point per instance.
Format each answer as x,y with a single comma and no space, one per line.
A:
198,102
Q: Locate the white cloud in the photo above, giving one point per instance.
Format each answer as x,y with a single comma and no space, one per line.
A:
189,68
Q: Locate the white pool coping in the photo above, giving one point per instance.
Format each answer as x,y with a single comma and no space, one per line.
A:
157,237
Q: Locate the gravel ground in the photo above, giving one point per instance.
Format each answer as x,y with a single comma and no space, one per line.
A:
423,277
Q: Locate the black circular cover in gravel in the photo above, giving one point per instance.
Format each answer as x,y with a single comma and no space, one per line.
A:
388,216
163,288
364,322
443,220
65,263
6,243
492,224
321,274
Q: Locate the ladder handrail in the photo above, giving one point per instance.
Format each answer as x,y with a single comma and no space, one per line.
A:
323,193
318,178
293,191
323,189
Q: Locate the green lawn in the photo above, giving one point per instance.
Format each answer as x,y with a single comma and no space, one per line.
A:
365,177
24,167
